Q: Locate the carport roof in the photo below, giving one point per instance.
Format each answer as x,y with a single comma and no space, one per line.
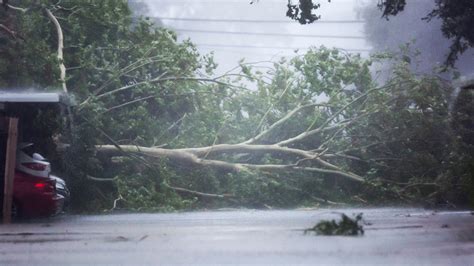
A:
30,97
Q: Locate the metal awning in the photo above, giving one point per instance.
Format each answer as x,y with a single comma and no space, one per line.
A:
29,97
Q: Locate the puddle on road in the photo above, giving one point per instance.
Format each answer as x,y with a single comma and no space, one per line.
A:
48,234
124,239
48,237
466,236
394,227
36,241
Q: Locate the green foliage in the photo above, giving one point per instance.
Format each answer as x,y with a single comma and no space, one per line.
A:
399,138
105,49
143,190
345,227
409,141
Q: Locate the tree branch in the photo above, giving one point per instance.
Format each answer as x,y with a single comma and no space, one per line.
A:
23,10
129,103
115,202
168,129
306,134
62,67
190,155
245,148
8,30
160,79
274,167
347,124
197,193
128,69
281,122
97,179
324,125
272,105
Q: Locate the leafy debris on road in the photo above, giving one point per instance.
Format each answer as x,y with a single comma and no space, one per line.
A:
345,227
143,238
118,239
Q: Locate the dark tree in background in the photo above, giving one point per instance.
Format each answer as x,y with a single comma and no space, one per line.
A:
391,7
456,16
426,39
458,20
303,11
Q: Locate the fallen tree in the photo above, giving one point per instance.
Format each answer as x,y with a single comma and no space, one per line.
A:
310,160
198,156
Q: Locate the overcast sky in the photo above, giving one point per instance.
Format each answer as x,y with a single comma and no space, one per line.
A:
281,36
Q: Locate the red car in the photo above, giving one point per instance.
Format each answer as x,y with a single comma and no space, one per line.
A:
35,196
34,191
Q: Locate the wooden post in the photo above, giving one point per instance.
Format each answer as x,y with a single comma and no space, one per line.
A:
10,169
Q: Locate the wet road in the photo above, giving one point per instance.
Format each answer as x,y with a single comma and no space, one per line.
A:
392,237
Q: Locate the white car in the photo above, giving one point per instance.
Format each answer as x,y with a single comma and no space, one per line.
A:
34,164
30,162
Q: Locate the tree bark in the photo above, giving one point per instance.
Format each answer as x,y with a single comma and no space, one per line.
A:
60,56
193,156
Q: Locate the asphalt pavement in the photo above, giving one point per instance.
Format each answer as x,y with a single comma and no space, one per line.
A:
241,237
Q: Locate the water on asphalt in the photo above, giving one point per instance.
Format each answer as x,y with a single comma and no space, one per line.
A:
232,237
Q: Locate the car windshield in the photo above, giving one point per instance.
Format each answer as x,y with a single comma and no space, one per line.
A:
28,149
